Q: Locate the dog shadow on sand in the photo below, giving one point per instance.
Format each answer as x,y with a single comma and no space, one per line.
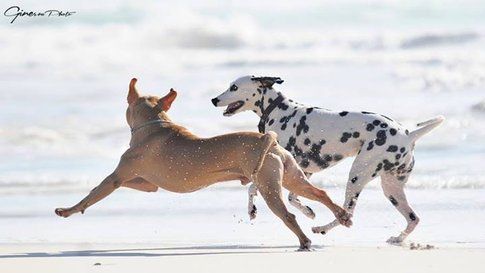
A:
159,252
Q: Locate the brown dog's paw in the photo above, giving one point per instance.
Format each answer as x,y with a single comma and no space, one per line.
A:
344,217
62,212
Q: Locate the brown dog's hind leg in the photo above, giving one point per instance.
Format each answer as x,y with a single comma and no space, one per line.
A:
296,182
109,184
268,181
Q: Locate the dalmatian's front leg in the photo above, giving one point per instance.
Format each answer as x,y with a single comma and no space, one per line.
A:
394,191
252,192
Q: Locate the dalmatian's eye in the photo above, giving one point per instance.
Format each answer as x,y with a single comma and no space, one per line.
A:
233,88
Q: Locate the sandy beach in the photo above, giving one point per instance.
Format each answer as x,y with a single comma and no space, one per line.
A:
150,258
209,231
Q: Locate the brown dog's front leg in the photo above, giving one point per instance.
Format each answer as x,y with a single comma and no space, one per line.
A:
109,184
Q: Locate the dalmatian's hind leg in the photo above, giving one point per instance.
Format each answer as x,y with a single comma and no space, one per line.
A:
393,187
361,173
295,202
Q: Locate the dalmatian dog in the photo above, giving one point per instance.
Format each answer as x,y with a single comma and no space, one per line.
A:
320,138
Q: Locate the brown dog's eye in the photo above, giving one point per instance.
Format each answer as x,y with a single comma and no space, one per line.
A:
233,88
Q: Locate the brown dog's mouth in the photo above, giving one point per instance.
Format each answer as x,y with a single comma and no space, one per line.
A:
233,107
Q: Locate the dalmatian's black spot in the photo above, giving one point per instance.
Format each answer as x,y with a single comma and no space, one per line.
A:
402,166
406,132
294,125
381,138
376,122
307,141
369,127
327,157
357,195
343,113
374,175
396,163
379,167
393,131
345,137
271,122
401,178
367,113
291,143
302,126
388,165
370,146
393,200
270,101
355,134
309,110
398,156
314,155
322,142
402,150
412,216
286,119
384,125
304,163
337,157
353,180
253,210
283,106
298,151
392,148
351,204
254,94
257,103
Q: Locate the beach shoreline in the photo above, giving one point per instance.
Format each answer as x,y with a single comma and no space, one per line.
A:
233,258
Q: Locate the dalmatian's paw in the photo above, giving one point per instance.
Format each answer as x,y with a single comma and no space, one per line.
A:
308,212
322,230
397,241
252,212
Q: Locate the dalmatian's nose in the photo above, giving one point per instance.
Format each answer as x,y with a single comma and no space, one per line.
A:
215,101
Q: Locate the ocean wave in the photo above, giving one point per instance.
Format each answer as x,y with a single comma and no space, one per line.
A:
428,40
38,185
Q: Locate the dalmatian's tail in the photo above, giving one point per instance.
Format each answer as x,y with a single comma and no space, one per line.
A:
426,127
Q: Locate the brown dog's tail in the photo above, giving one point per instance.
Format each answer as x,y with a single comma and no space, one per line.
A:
269,139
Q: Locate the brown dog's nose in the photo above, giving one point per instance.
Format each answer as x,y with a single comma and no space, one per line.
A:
215,101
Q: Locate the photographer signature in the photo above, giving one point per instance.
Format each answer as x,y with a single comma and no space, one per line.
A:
16,11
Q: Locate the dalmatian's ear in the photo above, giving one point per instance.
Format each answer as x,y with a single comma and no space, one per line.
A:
268,81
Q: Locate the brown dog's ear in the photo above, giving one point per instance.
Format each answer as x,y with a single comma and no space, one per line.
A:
166,101
132,92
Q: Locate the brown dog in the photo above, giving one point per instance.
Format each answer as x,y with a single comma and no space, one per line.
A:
163,154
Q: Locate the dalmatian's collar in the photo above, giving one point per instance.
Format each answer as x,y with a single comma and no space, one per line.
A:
267,111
